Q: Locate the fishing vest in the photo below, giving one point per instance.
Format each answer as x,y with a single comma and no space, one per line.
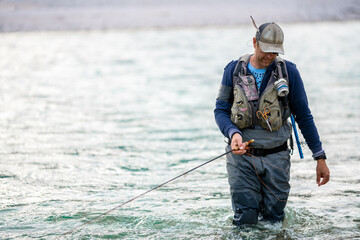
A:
248,105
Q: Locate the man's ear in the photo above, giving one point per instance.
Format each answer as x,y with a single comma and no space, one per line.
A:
254,42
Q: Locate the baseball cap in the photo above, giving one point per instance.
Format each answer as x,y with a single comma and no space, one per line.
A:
270,38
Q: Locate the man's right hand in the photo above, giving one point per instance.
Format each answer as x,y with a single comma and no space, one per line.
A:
237,144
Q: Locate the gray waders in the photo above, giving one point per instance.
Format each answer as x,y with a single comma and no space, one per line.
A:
248,194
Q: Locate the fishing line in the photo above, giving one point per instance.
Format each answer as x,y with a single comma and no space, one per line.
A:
309,194
150,190
257,174
280,200
252,158
174,178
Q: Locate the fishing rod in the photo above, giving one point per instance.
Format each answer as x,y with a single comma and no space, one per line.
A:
297,137
150,190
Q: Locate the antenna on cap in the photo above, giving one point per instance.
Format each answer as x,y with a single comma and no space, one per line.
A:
253,21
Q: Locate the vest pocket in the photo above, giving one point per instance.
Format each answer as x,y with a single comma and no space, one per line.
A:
241,110
270,101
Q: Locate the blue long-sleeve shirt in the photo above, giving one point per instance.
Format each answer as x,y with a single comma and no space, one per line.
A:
297,101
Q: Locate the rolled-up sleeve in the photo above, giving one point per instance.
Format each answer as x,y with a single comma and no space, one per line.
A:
299,107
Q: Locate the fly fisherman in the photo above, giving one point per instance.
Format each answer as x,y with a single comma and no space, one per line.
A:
258,94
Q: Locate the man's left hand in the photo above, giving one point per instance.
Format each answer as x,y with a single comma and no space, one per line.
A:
322,172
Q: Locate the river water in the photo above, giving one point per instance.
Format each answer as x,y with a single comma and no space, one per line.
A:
90,119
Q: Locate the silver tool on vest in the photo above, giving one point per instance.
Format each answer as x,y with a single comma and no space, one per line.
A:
282,87
265,116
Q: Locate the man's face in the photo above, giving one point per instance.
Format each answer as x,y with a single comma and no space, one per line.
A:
263,59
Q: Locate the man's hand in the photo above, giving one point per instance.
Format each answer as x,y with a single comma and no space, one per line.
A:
237,144
322,172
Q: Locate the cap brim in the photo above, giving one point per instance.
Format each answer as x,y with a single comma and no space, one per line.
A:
273,48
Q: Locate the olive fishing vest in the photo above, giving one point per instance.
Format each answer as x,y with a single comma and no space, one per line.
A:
249,108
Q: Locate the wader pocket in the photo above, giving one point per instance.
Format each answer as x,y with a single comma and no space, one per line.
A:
270,100
241,110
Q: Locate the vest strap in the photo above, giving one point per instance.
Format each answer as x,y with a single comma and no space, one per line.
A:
241,65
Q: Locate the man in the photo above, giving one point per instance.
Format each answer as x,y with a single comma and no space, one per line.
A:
258,94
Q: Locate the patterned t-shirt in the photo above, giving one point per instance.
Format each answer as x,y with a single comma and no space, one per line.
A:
257,73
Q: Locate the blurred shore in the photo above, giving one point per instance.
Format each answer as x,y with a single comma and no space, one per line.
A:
43,15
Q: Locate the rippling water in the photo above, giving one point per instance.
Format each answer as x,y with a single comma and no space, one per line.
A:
91,119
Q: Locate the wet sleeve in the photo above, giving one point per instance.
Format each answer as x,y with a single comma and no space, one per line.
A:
224,102
301,111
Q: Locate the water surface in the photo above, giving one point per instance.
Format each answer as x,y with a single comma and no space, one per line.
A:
91,119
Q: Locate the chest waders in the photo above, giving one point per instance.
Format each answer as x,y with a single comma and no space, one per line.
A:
248,194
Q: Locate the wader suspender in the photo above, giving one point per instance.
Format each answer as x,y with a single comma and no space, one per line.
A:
282,73
241,68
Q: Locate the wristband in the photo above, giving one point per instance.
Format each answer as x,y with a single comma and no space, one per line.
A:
322,156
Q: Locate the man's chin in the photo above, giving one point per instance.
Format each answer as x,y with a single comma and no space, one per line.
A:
265,64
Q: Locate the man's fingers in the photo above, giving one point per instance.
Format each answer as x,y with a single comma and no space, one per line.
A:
324,179
238,149
240,152
318,179
235,147
322,172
